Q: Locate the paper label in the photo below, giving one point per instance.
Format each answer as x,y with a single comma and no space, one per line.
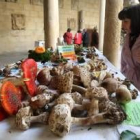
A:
132,110
67,51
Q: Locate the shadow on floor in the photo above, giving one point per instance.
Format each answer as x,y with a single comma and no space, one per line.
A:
11,57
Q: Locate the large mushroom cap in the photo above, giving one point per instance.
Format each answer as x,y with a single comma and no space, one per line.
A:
29,68
44,77
60,119
10,99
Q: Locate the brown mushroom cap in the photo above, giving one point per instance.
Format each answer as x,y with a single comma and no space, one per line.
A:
44,77
65,82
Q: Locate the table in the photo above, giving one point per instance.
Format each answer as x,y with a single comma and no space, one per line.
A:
8,130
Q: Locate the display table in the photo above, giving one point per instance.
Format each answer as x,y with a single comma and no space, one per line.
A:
8,131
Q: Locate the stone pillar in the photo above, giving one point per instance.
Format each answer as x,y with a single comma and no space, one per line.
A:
51,23
81,19
112,31
101,24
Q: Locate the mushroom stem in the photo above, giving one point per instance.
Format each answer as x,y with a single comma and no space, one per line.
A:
42,118
94,107
79,89
95,119
84,106
110,116
91,106
24,118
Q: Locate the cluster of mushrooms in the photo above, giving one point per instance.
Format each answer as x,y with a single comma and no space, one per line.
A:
64,95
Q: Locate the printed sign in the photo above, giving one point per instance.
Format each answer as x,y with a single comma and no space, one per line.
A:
67,51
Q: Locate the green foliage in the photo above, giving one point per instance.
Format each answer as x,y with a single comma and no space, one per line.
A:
128,135
43,57
62,60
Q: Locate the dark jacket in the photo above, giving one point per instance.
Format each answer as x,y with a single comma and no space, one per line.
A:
85,38
95,39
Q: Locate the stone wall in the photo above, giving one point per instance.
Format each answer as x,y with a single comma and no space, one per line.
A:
69,12
21,21
21,24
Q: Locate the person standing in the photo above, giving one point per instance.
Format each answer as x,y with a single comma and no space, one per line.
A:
78,38
68,37
85,38
95,38
130,55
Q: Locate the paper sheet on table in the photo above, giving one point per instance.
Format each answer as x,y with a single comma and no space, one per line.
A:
134,128
132,110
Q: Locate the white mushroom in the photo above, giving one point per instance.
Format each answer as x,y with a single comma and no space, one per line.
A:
60,116
123,95
110,84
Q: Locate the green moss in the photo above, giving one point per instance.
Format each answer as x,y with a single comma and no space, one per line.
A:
43,57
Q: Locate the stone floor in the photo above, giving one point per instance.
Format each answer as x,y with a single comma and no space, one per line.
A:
8,58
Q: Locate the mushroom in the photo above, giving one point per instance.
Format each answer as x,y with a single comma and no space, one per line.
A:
76,88
113,114
29,68
24,118
94,83
18,82
134,93
3,113
10,98
7,70
123,95
44,77
40,100
65,82
60,119
96,95
84,74
110,84
59,70
27,81
60,116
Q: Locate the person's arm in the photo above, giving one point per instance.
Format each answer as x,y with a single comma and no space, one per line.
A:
133,71
123,64
123,54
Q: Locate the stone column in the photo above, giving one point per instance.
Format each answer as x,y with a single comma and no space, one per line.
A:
51,23
101,24
81,19
112,31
